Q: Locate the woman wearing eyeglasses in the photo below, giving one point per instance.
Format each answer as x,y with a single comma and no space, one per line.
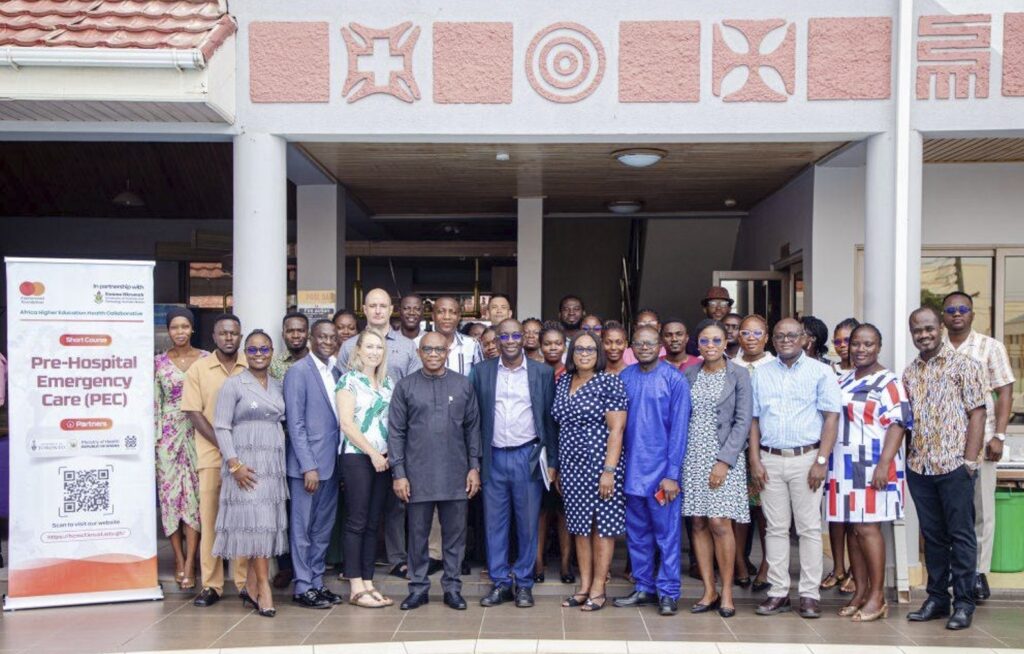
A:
715,468
363,396
753,338
592,324
252,521
590,409
838,534
865,483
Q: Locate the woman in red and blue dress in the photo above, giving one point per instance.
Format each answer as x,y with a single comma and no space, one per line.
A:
866,481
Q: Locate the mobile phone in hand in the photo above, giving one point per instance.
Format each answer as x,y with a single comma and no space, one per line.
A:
660,496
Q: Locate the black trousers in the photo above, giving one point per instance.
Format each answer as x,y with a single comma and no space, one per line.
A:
365,492
452,516
945,509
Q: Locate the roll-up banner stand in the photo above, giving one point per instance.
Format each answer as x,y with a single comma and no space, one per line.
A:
82,487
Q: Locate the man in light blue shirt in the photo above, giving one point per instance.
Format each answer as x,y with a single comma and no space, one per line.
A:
796,417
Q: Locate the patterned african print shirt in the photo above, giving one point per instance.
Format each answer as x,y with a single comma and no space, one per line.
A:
991,354
371,409
280,364
942,391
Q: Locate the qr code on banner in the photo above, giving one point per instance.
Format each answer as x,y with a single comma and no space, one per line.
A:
86,491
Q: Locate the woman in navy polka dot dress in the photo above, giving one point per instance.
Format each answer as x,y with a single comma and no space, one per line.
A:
590,408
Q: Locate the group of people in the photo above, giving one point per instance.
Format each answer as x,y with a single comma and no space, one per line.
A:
589,427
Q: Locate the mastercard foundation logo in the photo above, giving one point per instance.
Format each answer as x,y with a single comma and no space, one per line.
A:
32,289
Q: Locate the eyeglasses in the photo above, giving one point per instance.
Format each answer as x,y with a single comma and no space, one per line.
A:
433,349
718,304
790,336
640,345
253,350
515,336
586,349
592,328
840,341
747,333
705,341
963,310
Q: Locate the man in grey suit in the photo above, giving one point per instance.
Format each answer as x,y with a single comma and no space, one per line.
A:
312,452
434,452
515,396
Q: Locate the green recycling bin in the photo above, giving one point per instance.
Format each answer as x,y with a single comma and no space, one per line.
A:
1008,548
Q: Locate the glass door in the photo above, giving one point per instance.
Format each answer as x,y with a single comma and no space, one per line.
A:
765,292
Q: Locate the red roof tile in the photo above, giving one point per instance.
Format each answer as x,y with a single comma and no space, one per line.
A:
176,24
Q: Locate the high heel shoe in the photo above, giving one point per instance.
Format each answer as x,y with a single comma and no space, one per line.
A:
265,613
247,599
849,610
743,582
705,608
881,613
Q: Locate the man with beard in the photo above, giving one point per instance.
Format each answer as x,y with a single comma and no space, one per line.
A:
411,312
203,382
434,452
515,396
313,438
674,337
295,332
958,319
657,424
570,314
731,322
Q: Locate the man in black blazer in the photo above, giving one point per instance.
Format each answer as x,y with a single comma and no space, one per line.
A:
515,396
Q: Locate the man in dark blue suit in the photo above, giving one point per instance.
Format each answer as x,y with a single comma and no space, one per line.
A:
312,451
515,396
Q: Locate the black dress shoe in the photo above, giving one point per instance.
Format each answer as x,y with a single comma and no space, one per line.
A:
636,598
311,600
414,601
524,598
705,608
981,590
667,606
538,578
329,595
434,566
498,595
774,606
742,582
930,610
726,612
454,599
809,608
961,619
759,586
208,597
400,570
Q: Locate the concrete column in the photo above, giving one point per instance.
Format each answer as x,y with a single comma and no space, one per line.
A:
320,250
529,257
260,271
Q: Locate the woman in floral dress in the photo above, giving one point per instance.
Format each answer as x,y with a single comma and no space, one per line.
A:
176,475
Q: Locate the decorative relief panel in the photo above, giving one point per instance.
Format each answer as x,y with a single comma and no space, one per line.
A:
359,44
953,50
1013,55
565,62
659,61
782,59
472,63
849,58
289,62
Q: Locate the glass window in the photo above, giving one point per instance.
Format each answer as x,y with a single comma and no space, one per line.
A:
1013,329
972,275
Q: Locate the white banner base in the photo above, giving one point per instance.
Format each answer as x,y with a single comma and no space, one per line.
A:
71,599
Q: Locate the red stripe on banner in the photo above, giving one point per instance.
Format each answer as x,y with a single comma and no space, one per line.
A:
82,576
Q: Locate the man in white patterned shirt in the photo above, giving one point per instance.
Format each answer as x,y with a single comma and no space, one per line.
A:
958,318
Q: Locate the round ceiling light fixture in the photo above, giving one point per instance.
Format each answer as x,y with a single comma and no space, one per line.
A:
639,157
502,156
730,203
625,207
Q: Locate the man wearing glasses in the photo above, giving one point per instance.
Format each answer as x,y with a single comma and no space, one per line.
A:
654,443
434,451
958,318
517,433
796,418
645,318
203,382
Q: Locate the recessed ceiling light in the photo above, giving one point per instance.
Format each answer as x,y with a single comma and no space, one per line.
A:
639,157
502,156
624,207
729,202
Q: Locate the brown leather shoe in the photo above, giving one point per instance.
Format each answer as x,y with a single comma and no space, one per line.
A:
809,608
774,605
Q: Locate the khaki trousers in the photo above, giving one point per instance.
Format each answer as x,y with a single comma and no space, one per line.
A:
212,567
985,514
785,498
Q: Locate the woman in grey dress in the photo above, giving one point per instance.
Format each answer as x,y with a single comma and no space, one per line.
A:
715,468
252,522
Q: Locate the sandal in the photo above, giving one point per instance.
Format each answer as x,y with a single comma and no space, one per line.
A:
848,587
380,597
187,583
831,580
357,600
590,606
571,601
570,578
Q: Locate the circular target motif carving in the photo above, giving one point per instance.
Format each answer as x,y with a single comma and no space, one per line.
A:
564,68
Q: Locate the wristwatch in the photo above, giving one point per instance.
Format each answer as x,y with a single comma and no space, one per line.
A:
972,465
821,460
1000,437
610,469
